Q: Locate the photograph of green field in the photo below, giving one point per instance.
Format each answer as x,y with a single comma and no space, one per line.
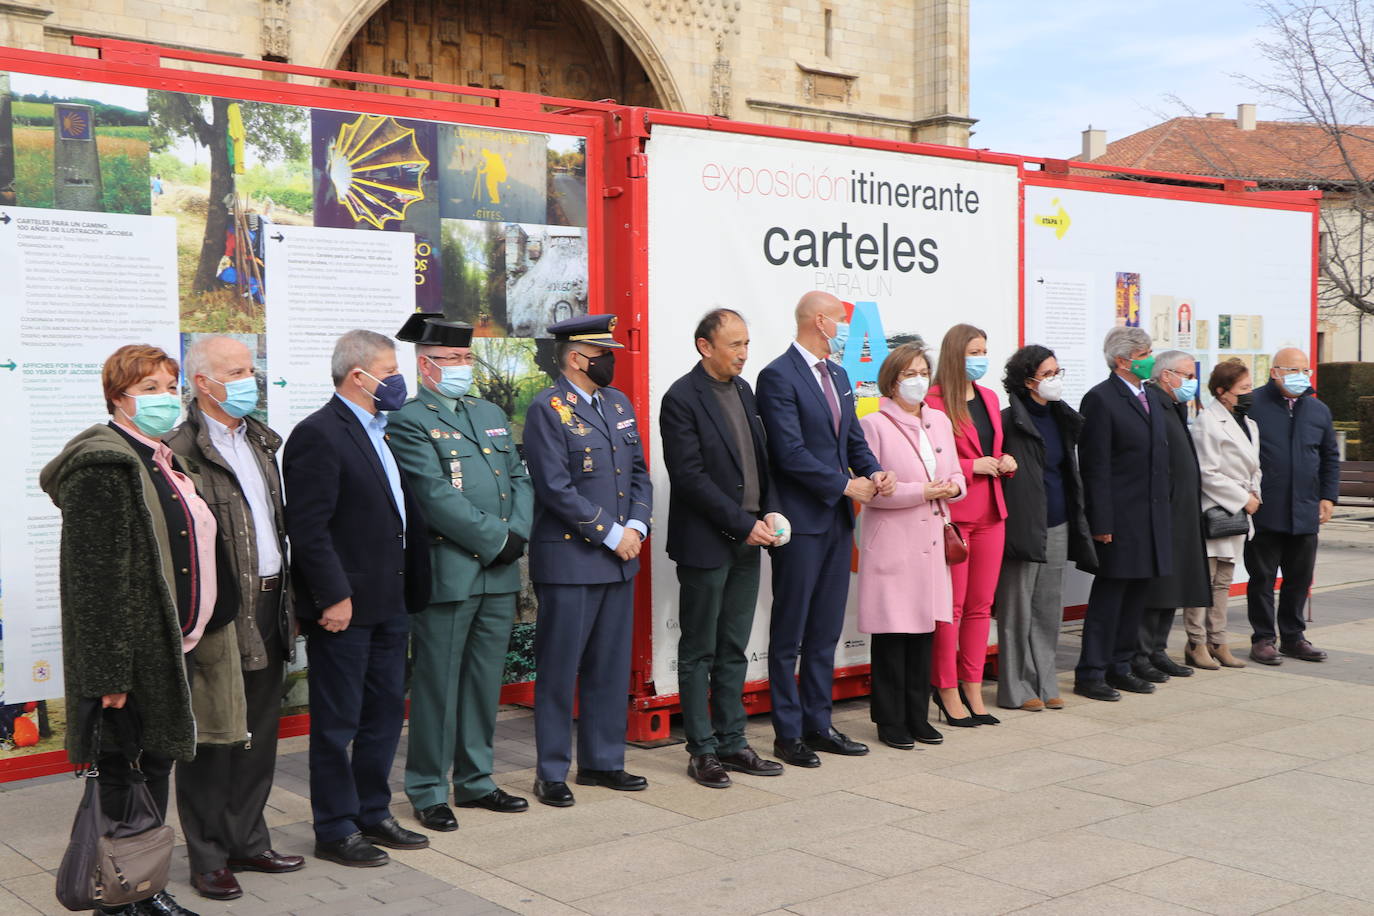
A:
117,130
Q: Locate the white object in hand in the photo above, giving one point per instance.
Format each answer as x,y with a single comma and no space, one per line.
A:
781,527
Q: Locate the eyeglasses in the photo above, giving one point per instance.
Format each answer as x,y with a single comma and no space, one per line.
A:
1287,369
1059,373
466,359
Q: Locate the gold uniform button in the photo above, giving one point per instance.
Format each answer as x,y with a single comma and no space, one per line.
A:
617,470
567,537
588,540
453,451
496,472
486,451
620,494
503,496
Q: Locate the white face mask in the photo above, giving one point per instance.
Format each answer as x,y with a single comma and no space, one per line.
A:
1052,388
913,390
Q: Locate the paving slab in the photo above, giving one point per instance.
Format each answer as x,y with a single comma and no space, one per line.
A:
1019,770
1063,863
1018,818
604,867
940,889
1214,888
884,850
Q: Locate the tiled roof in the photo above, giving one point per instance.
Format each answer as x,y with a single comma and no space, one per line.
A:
1275,151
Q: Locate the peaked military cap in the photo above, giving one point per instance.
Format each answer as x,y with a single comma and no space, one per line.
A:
589,329
441,333
414,328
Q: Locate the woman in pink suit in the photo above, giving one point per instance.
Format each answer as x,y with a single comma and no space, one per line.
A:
904,584
961,646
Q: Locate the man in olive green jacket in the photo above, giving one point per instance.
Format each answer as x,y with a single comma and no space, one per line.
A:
462,465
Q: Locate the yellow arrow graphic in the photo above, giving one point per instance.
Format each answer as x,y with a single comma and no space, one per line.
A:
1059,222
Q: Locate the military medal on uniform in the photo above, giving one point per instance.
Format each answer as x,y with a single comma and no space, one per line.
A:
455,473
587,462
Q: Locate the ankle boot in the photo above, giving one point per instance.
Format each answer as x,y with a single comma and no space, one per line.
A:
1199,657
1222,653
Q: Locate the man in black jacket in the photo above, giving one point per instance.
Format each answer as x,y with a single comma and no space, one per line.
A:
360,561
1300,473
720,515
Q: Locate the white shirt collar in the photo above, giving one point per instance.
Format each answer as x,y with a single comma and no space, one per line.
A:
811,358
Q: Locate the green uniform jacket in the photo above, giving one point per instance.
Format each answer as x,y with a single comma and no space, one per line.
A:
438,448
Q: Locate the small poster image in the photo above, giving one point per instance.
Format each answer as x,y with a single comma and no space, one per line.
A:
567,181
1162,320
1262,366
1127,299
1185,336
495,175
1256,332
546,276
1224,332
1203,330
473,255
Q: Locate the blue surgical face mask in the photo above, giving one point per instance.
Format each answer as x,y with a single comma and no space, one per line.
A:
841,335
975,367
1186,391
390,393
454,381
240,396
155,414
1296,383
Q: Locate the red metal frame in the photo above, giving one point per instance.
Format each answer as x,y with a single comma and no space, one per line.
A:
134,64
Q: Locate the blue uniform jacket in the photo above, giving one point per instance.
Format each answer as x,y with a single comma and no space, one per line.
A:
588,475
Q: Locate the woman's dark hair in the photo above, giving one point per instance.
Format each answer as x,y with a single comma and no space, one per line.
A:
1225,375
1023,365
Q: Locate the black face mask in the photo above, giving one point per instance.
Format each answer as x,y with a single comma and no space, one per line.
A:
1243,402
600,369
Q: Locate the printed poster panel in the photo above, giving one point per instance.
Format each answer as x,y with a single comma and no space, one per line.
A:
913,243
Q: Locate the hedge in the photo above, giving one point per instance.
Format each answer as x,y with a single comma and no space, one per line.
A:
1340,384
1365,406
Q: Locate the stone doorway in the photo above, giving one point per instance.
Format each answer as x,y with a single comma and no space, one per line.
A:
550,47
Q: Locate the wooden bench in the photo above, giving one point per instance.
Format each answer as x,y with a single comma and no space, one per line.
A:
1357,482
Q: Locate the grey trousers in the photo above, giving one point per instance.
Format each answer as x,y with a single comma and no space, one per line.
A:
1030,609
1207,625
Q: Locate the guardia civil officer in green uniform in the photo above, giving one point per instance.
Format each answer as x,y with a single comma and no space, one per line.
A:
460,460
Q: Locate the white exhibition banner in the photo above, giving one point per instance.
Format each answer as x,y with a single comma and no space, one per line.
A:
916,243
1216,280
77,285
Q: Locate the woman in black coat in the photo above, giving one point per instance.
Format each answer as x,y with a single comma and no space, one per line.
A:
1045,528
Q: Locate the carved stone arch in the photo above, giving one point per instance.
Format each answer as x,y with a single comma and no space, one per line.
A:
615,42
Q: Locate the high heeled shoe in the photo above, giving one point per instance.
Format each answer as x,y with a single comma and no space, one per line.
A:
965,722
981,718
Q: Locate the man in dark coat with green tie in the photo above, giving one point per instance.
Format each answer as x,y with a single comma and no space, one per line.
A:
459,457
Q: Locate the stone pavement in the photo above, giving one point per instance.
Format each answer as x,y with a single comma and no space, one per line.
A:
1229,792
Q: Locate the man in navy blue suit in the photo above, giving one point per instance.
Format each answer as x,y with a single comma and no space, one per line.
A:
592,505
820,461
1124,456
360,561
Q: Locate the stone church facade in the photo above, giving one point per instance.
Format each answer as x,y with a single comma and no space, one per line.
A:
895,69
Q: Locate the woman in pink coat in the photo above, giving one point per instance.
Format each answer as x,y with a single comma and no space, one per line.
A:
904,584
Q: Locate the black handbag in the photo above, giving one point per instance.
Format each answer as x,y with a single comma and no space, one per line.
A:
1218,523
109,863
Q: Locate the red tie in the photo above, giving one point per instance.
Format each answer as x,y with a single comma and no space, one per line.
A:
830,397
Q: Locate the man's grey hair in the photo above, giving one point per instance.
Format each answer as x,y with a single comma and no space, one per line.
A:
1168,362
1120,343
356,349
197,360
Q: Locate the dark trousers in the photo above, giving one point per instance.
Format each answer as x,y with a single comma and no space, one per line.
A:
715,615
1111,628
357,696
222,793
1265,554
810,587
901,679
116,776
582,648
1155,624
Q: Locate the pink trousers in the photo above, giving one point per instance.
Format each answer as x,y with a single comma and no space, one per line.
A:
960,649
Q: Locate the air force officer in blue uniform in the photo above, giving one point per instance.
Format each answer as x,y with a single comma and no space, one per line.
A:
820,461
591,513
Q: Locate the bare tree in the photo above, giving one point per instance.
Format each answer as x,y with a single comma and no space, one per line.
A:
1322,55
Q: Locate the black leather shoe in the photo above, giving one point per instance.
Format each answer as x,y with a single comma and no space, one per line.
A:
834,742
438,818
1130,683
353,850
387,832
746,760
553,793
1303,651
219,884
1149,673
162,904
269,861
612,779
498,800
926,733
1170,667
896,737
1096,690
794,752
707,771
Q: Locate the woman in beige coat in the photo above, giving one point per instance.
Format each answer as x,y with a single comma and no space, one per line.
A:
1228,455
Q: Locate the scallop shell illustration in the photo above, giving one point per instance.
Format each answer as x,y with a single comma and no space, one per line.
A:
375,166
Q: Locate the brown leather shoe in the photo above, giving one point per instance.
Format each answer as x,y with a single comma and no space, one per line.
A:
1303,651
1222,653
219,884
269,861
1265,653
1054,703
707,771
1034,704
1198,655
747,760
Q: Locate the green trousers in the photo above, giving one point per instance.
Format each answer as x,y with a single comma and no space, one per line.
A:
458,651
715,614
